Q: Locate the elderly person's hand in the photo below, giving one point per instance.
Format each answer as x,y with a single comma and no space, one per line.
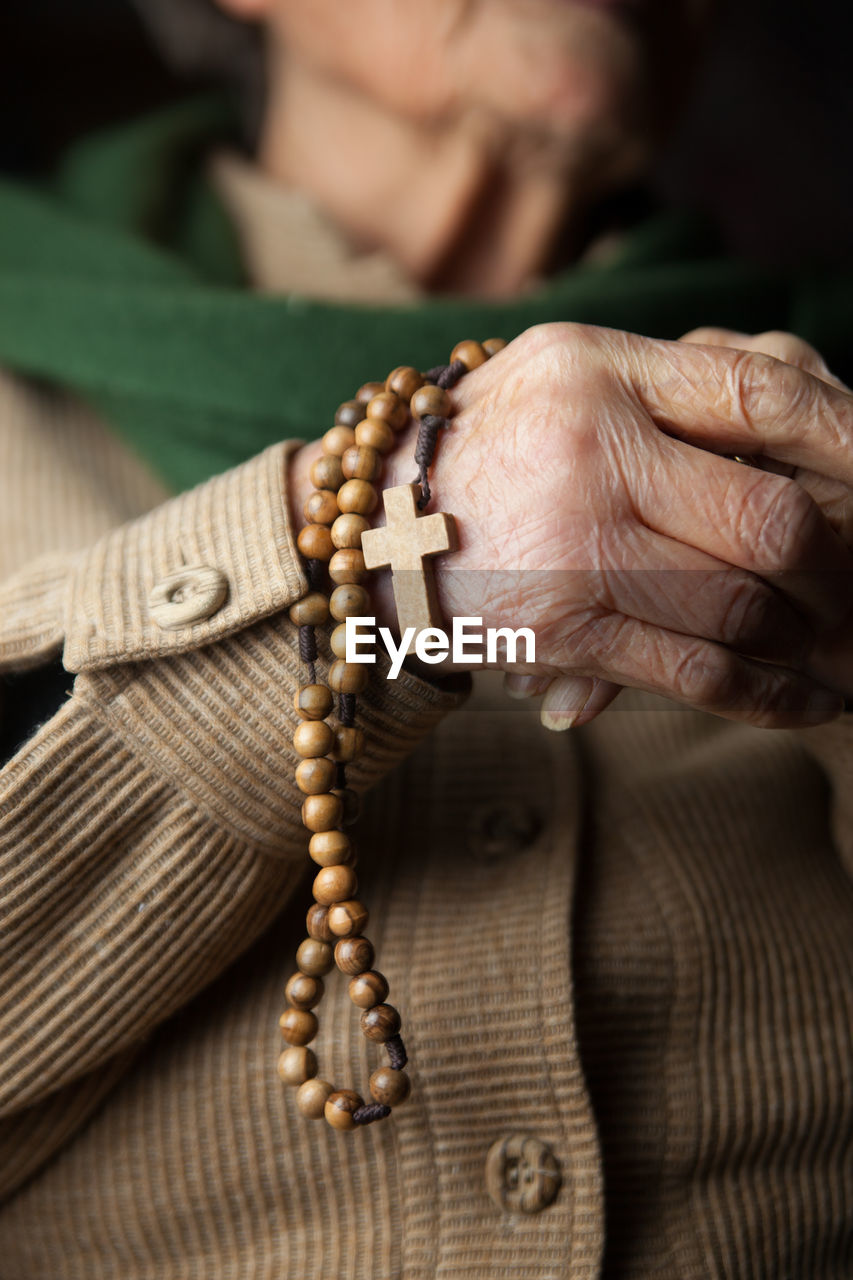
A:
587,512
830,487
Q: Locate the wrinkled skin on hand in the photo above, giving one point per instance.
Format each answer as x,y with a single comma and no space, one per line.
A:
595,505
832,658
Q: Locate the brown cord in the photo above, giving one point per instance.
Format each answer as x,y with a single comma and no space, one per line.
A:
308,651
444,376
425,451
316,570
396,1050
369,1112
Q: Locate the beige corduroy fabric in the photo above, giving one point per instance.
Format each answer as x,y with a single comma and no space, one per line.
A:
633,942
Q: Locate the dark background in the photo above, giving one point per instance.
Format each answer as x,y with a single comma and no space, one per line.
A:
766,145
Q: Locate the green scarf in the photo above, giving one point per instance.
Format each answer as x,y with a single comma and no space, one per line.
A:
122,282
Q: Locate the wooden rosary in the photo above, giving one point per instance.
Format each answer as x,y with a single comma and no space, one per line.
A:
336,540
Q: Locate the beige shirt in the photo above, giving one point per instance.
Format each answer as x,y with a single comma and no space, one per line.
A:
626,950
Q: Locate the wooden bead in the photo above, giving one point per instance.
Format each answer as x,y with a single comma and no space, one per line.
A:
470,353
317,923
390,408
304,990
297,1065
389,1087
347,677
326,472
492,346
347,530
321,507
351,802
349,743
322,812
339,1108
314,958
347,565
311,1098
380,1023
315,542
299,1026
349,600
368,989
404,381
330,848
368,390
313,738
348,413
375,434
338,439
358,496
334,884
361,462
311,611
348,918
313,701
315,775
338,640
434,400
354,955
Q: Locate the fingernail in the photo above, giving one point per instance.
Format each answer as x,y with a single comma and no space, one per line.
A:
560,710
559,723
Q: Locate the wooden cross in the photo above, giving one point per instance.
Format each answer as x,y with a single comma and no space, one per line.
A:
403,543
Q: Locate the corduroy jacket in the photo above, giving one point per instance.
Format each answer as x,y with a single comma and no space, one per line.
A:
622,955
623,952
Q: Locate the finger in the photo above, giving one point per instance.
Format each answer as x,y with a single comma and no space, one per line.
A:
700,674
774,342
523,686
765,524
832,496
745,402
689,591
572,701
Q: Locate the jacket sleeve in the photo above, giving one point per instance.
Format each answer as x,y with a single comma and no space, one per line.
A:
150,830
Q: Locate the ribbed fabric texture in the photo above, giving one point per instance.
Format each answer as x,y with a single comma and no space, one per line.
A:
713,966
633,943
237,523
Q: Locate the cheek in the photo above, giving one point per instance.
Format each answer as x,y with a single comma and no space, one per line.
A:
577,68
545,63
395,50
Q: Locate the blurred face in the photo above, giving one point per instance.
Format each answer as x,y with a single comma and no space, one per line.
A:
587,84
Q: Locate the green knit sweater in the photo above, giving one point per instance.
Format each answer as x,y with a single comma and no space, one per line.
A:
122,282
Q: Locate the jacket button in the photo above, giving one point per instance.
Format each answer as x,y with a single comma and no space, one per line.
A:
498,831
186,596
522,1173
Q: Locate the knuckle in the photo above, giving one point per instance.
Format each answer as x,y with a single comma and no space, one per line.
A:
706,676
747,384
781,340
786,527
795,351
763,388
789,348
709,336
564,344
748,611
